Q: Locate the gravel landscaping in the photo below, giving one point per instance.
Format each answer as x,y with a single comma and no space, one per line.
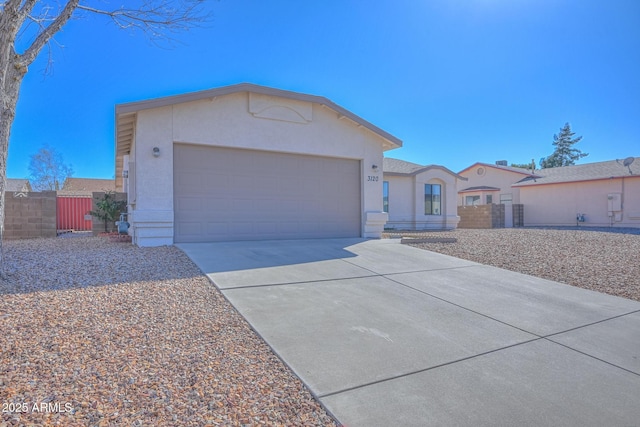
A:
99,333
603,260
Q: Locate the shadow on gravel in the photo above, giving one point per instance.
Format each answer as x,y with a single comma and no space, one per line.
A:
41,265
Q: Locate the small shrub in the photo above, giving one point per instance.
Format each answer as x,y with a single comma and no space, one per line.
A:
108,209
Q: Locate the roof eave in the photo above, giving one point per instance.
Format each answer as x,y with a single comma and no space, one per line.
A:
540,181
391,142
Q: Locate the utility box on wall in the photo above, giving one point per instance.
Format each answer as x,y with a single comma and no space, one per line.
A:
614,206
614,201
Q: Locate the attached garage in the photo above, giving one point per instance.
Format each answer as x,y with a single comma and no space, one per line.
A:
248,162
224,194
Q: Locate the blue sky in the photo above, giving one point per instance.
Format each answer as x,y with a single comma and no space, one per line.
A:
458,81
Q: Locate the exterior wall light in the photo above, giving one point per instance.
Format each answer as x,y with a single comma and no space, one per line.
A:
156,152
374,167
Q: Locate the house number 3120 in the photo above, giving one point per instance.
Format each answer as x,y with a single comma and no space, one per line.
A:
372,178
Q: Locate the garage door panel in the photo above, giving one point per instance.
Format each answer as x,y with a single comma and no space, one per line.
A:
190,229
189,204
231,194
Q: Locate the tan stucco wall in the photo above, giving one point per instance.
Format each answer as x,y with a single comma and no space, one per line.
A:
558,204
243,121
406,201
492,177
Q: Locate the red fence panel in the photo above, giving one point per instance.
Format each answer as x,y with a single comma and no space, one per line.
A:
71,213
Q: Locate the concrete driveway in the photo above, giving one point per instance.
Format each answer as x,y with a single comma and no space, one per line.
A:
386,334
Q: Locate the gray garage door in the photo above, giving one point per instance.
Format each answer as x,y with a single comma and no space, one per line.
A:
223,194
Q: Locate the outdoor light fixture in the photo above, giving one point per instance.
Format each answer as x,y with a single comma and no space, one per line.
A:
374,167
156,152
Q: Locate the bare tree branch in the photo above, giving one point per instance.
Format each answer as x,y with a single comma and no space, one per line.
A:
10,18
156,18
43,38
27,8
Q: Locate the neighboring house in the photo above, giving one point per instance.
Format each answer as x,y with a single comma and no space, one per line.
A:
487,183
605,193
248,162
18,185
492,184
419,197
86,186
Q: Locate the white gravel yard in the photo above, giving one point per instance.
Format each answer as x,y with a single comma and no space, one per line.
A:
98,333
602,261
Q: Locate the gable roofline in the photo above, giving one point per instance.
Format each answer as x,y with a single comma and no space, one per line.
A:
133,107
415,169
503,168
479,188
596,171
17,184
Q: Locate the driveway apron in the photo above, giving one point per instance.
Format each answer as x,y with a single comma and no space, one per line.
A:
387,334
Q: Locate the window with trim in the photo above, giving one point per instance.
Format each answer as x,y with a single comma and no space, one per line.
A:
432,199
385,196
472,200
489,199
506,198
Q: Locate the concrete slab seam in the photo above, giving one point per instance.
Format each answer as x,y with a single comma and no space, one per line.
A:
298,283
593,357
415,271
430,368
545,337
462,307
273,350
591,324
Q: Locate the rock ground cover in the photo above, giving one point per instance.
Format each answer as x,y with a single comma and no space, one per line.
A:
99,333
603,260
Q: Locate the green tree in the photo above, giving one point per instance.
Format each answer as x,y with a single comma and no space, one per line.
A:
564,154
108,209
48,171
531,165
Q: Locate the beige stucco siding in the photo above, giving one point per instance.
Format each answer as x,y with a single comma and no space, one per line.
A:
401,201
406,201
559,204
244,120
491,177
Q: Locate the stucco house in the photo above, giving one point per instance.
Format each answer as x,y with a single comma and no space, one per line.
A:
248,162
490,183
419,197
603,193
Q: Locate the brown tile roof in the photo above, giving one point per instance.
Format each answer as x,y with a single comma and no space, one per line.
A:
86,186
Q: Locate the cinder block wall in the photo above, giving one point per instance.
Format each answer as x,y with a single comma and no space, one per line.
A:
98,225
31,215
518,215
497,216
481,216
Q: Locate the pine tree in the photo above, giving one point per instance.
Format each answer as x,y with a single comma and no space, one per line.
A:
564,154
